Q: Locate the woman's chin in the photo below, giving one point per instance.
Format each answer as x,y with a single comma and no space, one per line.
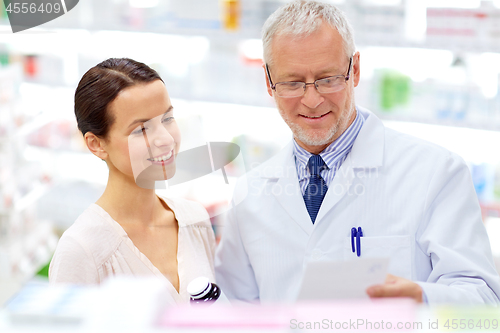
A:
154,173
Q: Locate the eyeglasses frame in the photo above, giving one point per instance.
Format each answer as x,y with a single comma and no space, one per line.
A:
273,86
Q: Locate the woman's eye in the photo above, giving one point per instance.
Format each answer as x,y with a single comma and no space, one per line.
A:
167,120
139,131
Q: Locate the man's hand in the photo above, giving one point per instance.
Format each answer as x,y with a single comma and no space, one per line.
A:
396,286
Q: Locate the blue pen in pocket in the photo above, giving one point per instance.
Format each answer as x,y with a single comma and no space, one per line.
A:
353,235
359,234
356,234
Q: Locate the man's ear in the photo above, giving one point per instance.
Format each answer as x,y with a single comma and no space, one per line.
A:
356,69
96,145
269,90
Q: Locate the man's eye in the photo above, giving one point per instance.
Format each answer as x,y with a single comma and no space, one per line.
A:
293,85
331,80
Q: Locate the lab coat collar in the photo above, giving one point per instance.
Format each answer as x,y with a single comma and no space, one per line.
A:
368,149
281,172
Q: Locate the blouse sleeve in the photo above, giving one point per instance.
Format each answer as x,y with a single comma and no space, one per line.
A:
72,263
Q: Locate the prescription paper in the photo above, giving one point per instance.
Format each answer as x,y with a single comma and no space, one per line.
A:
324,280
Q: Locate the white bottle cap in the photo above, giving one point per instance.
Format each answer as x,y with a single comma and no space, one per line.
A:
199,287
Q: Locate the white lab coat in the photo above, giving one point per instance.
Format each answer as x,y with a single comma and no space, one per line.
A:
414,200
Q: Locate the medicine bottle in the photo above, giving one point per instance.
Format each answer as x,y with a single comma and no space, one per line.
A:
202,290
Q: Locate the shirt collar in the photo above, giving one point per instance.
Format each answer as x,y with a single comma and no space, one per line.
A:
337,147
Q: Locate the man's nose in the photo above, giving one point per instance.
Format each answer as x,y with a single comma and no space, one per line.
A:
312,98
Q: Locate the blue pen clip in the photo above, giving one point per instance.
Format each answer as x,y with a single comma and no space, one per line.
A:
359,234
353,234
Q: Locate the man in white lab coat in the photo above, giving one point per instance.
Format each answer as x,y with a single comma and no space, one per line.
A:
413,200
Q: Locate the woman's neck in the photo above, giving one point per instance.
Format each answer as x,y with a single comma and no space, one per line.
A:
128,203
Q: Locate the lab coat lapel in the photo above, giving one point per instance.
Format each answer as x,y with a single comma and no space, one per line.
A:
366,153
338,188
286,189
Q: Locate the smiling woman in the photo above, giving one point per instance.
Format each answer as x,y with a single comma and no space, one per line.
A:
126,117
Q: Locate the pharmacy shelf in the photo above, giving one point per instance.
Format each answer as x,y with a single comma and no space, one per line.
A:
23,255
375,25
485,124
27,242
8,288
491,209
31,197
36,123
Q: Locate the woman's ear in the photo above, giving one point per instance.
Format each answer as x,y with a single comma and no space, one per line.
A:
96,145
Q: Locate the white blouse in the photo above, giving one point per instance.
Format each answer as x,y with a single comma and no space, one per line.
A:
96,246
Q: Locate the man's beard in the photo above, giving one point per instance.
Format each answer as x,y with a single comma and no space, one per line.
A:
313,138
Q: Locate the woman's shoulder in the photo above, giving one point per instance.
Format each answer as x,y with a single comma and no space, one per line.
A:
93,233
187,211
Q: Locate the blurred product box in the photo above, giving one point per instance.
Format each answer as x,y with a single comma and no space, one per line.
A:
483,177
466,29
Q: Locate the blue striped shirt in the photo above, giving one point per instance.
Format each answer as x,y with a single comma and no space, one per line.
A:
333,155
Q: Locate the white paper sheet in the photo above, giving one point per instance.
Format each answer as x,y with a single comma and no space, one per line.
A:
342,279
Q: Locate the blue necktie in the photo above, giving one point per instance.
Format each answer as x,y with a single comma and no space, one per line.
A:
316,189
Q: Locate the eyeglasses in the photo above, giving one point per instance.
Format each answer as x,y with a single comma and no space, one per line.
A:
327,85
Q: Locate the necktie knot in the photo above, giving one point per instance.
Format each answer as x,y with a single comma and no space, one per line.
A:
316,165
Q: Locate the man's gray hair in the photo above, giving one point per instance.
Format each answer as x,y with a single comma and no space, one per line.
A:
301,18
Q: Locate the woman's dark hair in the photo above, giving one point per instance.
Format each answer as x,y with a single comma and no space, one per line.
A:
100,86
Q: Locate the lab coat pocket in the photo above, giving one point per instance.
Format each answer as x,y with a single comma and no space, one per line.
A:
397,248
